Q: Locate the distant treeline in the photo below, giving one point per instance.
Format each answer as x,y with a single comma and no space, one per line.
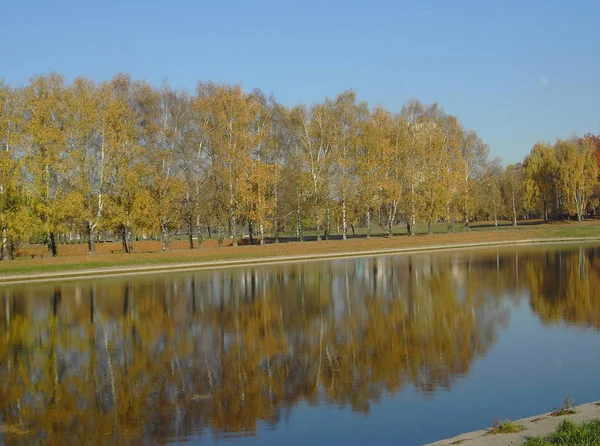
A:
126,157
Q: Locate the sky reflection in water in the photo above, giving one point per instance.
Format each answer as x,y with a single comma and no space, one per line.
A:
400,350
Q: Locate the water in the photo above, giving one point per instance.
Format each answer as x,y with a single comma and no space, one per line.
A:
386,350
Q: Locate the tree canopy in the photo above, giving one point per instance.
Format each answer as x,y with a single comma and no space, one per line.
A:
128,159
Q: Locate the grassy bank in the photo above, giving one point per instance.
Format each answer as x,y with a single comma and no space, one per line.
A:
570,434
145,256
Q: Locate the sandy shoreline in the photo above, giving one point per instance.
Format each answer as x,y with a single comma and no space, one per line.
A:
116,271
535,426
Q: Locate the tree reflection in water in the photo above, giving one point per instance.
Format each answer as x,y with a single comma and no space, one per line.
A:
163,357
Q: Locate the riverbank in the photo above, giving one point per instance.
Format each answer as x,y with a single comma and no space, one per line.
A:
263,255
535,426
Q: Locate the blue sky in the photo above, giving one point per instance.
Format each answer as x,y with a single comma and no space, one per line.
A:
514,71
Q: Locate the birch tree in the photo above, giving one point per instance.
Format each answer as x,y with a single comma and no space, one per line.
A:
415,128
578,174
441,157
45,115
14,216
231,115
263,172
166,116
540,169
392,157
346,117
89,152
317,156
119,136
472,174
512,190
374,164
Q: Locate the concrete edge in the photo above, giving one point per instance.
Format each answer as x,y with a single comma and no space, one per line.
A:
115,271
535,426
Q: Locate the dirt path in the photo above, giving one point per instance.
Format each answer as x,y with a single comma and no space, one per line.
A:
115,271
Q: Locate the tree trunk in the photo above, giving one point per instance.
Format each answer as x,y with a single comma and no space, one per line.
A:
191,233
413,223
368,223
199,233
298,218
579,207
91,241
429,228
52,244
392,208
250,231
276,216
232,229
164,229
344,220
3,245
327,223
124,236
11,248
261,229
318,226
130,239
276,231
219,233
514,209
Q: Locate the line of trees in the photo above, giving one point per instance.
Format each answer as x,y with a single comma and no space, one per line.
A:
125,157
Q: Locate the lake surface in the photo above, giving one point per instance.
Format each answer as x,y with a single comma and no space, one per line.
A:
397,350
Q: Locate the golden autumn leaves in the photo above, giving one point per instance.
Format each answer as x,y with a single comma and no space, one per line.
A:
163,357
130,160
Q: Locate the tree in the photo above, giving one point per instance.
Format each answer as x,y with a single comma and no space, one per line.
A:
441,134
231,134
119,137
283,141
44,121
316,152
347,117
512,190
540,170
11,187
493,204
193,164
258,190
473,172
166,114
594,142
89,152
392,187
414,130
374,142
578,174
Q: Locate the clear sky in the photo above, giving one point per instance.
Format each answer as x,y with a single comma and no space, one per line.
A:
515,71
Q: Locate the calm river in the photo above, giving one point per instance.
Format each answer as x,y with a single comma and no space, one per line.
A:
397,350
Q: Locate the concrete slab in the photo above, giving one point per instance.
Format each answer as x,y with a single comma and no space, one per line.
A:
539,425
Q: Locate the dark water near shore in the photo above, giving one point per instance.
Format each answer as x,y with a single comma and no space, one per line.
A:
386,350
